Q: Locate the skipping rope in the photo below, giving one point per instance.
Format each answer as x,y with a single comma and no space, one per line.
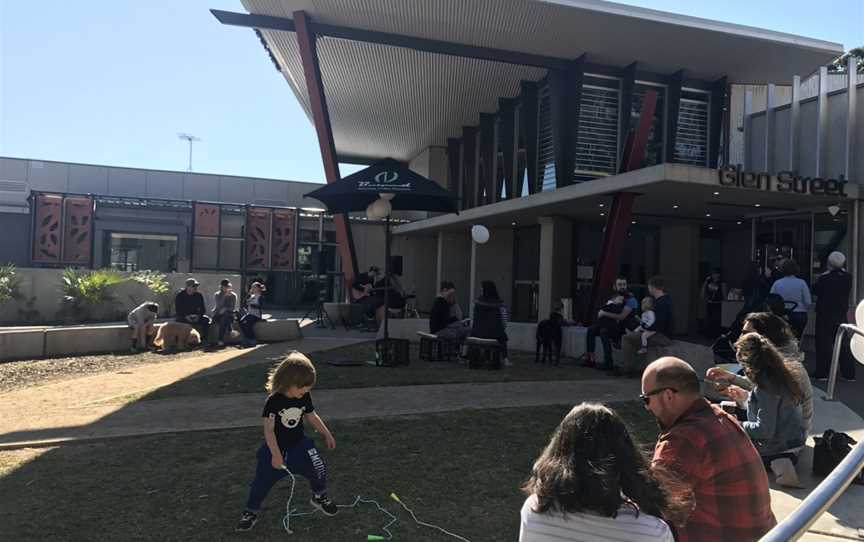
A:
289,513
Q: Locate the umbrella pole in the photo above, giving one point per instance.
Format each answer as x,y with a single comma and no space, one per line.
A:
387,277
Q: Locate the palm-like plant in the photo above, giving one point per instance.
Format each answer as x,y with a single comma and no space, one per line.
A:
10,283
84,291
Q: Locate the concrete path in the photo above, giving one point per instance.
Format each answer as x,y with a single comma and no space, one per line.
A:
54,422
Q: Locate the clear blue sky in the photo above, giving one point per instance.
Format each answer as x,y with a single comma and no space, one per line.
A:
112,82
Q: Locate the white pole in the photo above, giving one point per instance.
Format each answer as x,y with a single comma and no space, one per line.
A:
473,277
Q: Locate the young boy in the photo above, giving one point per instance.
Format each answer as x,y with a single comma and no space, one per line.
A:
646,323
140,320
285,444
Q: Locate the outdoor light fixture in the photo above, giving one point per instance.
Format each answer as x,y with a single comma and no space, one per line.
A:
387,195
674,206
480,234
716,193
739,222
833,209
633,222
602,214
602,205
757,205
707,215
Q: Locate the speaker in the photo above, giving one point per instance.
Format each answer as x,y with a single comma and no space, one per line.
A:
396,265
320,264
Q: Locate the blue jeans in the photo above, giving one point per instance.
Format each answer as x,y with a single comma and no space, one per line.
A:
301,459
247,325
225,320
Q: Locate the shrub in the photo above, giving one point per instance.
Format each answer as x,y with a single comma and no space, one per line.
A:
83,291
10,283
156,281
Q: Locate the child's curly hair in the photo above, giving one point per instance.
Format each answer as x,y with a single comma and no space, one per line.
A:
295,369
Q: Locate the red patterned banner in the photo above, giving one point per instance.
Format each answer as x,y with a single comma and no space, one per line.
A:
78,230
258,239
283,249
206,220
46,229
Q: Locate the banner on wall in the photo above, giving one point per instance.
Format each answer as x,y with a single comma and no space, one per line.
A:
77,230
283,252
47,215
206,220
62,230
258,237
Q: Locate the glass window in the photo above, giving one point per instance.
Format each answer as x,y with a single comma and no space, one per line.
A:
545,147
654,149
597,141
230,253
232,225
205,253
691,143
308,230
134,251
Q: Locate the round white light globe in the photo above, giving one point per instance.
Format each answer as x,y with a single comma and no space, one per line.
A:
480,234
370,211
382,208
387,195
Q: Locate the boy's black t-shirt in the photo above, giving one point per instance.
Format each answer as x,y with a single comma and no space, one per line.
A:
289,417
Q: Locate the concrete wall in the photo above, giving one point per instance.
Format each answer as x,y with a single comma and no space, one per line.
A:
42,301
369,244
419,264
456,265
495,263
556,262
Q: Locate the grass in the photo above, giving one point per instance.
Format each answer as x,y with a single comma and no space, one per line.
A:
251,378
460,470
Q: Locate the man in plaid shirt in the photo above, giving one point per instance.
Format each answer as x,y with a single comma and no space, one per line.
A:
707,448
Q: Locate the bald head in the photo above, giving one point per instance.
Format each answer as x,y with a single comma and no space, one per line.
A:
674,373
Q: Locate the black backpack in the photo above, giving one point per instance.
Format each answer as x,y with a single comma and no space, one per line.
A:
831,448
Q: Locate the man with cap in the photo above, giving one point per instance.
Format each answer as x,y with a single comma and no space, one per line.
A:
190,308
224,305
832,303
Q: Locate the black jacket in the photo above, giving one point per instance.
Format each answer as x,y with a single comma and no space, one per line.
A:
487,322
664,321
185,304
439,317
832,293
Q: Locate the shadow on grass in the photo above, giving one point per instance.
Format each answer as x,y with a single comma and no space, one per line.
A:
461,470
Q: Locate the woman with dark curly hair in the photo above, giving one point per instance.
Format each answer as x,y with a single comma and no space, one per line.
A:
774,420
592,482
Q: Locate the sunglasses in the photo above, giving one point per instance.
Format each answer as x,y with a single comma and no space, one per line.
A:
646,397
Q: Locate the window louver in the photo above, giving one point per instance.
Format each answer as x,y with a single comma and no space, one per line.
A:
691,143
597,142
545,148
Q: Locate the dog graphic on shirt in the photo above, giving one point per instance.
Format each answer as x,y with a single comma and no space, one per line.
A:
291,416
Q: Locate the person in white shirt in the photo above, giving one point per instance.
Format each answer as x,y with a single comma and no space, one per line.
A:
646,323
141,320
592,483
254,313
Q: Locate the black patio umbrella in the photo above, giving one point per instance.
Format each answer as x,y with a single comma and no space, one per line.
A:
411,192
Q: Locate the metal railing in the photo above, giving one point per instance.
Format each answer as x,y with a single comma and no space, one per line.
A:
824,495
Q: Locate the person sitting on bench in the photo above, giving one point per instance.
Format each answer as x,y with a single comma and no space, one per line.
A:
442,320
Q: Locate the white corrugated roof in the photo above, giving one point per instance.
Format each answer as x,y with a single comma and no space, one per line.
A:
391,101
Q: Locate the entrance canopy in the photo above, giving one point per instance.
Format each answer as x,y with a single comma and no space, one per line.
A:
402,76
664,193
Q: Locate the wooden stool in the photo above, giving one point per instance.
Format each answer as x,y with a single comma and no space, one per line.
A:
484,353
434,348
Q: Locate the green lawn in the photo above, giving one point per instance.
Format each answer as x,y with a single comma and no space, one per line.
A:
252,377
460,470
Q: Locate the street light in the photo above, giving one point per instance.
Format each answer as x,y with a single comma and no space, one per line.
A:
190,138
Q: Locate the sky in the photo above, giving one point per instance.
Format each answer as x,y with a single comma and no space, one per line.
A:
113,81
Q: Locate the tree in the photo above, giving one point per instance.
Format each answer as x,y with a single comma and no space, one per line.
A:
839,64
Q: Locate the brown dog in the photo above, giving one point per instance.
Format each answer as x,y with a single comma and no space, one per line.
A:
176,335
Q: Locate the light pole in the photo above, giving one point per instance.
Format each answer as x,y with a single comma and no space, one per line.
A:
190,138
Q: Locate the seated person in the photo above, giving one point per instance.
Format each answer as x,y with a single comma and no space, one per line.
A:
361,294
592,482
646,323
620,309
190,308
488,318
443,320
141,320
774,422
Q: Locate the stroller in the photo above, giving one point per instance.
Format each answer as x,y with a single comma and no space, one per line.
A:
722,345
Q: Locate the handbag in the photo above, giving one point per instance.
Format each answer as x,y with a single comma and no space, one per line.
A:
831,448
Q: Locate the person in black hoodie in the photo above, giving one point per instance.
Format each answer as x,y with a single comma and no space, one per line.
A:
190,308
443,320
832,303
488,321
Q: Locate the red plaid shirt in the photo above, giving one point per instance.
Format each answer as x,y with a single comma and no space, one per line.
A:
708,449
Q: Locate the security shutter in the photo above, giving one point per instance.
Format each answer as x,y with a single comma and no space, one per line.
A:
545,148
691,143
597,141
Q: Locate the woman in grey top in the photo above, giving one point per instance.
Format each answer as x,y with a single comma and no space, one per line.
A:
224,305
794,290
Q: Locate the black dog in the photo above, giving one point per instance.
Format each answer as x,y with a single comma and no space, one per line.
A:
549,339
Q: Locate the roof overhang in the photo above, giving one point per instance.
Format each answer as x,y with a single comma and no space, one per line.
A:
664,193
395,98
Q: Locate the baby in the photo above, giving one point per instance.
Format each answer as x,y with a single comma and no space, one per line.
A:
646,323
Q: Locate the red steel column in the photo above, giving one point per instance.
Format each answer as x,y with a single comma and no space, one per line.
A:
622,208
321,118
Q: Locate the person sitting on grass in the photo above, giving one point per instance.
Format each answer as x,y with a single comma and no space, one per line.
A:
286,447
774,422
592,482
141,320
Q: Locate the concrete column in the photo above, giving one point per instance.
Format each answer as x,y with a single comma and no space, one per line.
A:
494,261
795,123
439,261
855,262
770,104
822,124
472,277
748,130
556,261
851,117
679,267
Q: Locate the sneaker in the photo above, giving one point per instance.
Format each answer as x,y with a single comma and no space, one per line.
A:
220,344
322,502
844,379
642,351
247,521
507,362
